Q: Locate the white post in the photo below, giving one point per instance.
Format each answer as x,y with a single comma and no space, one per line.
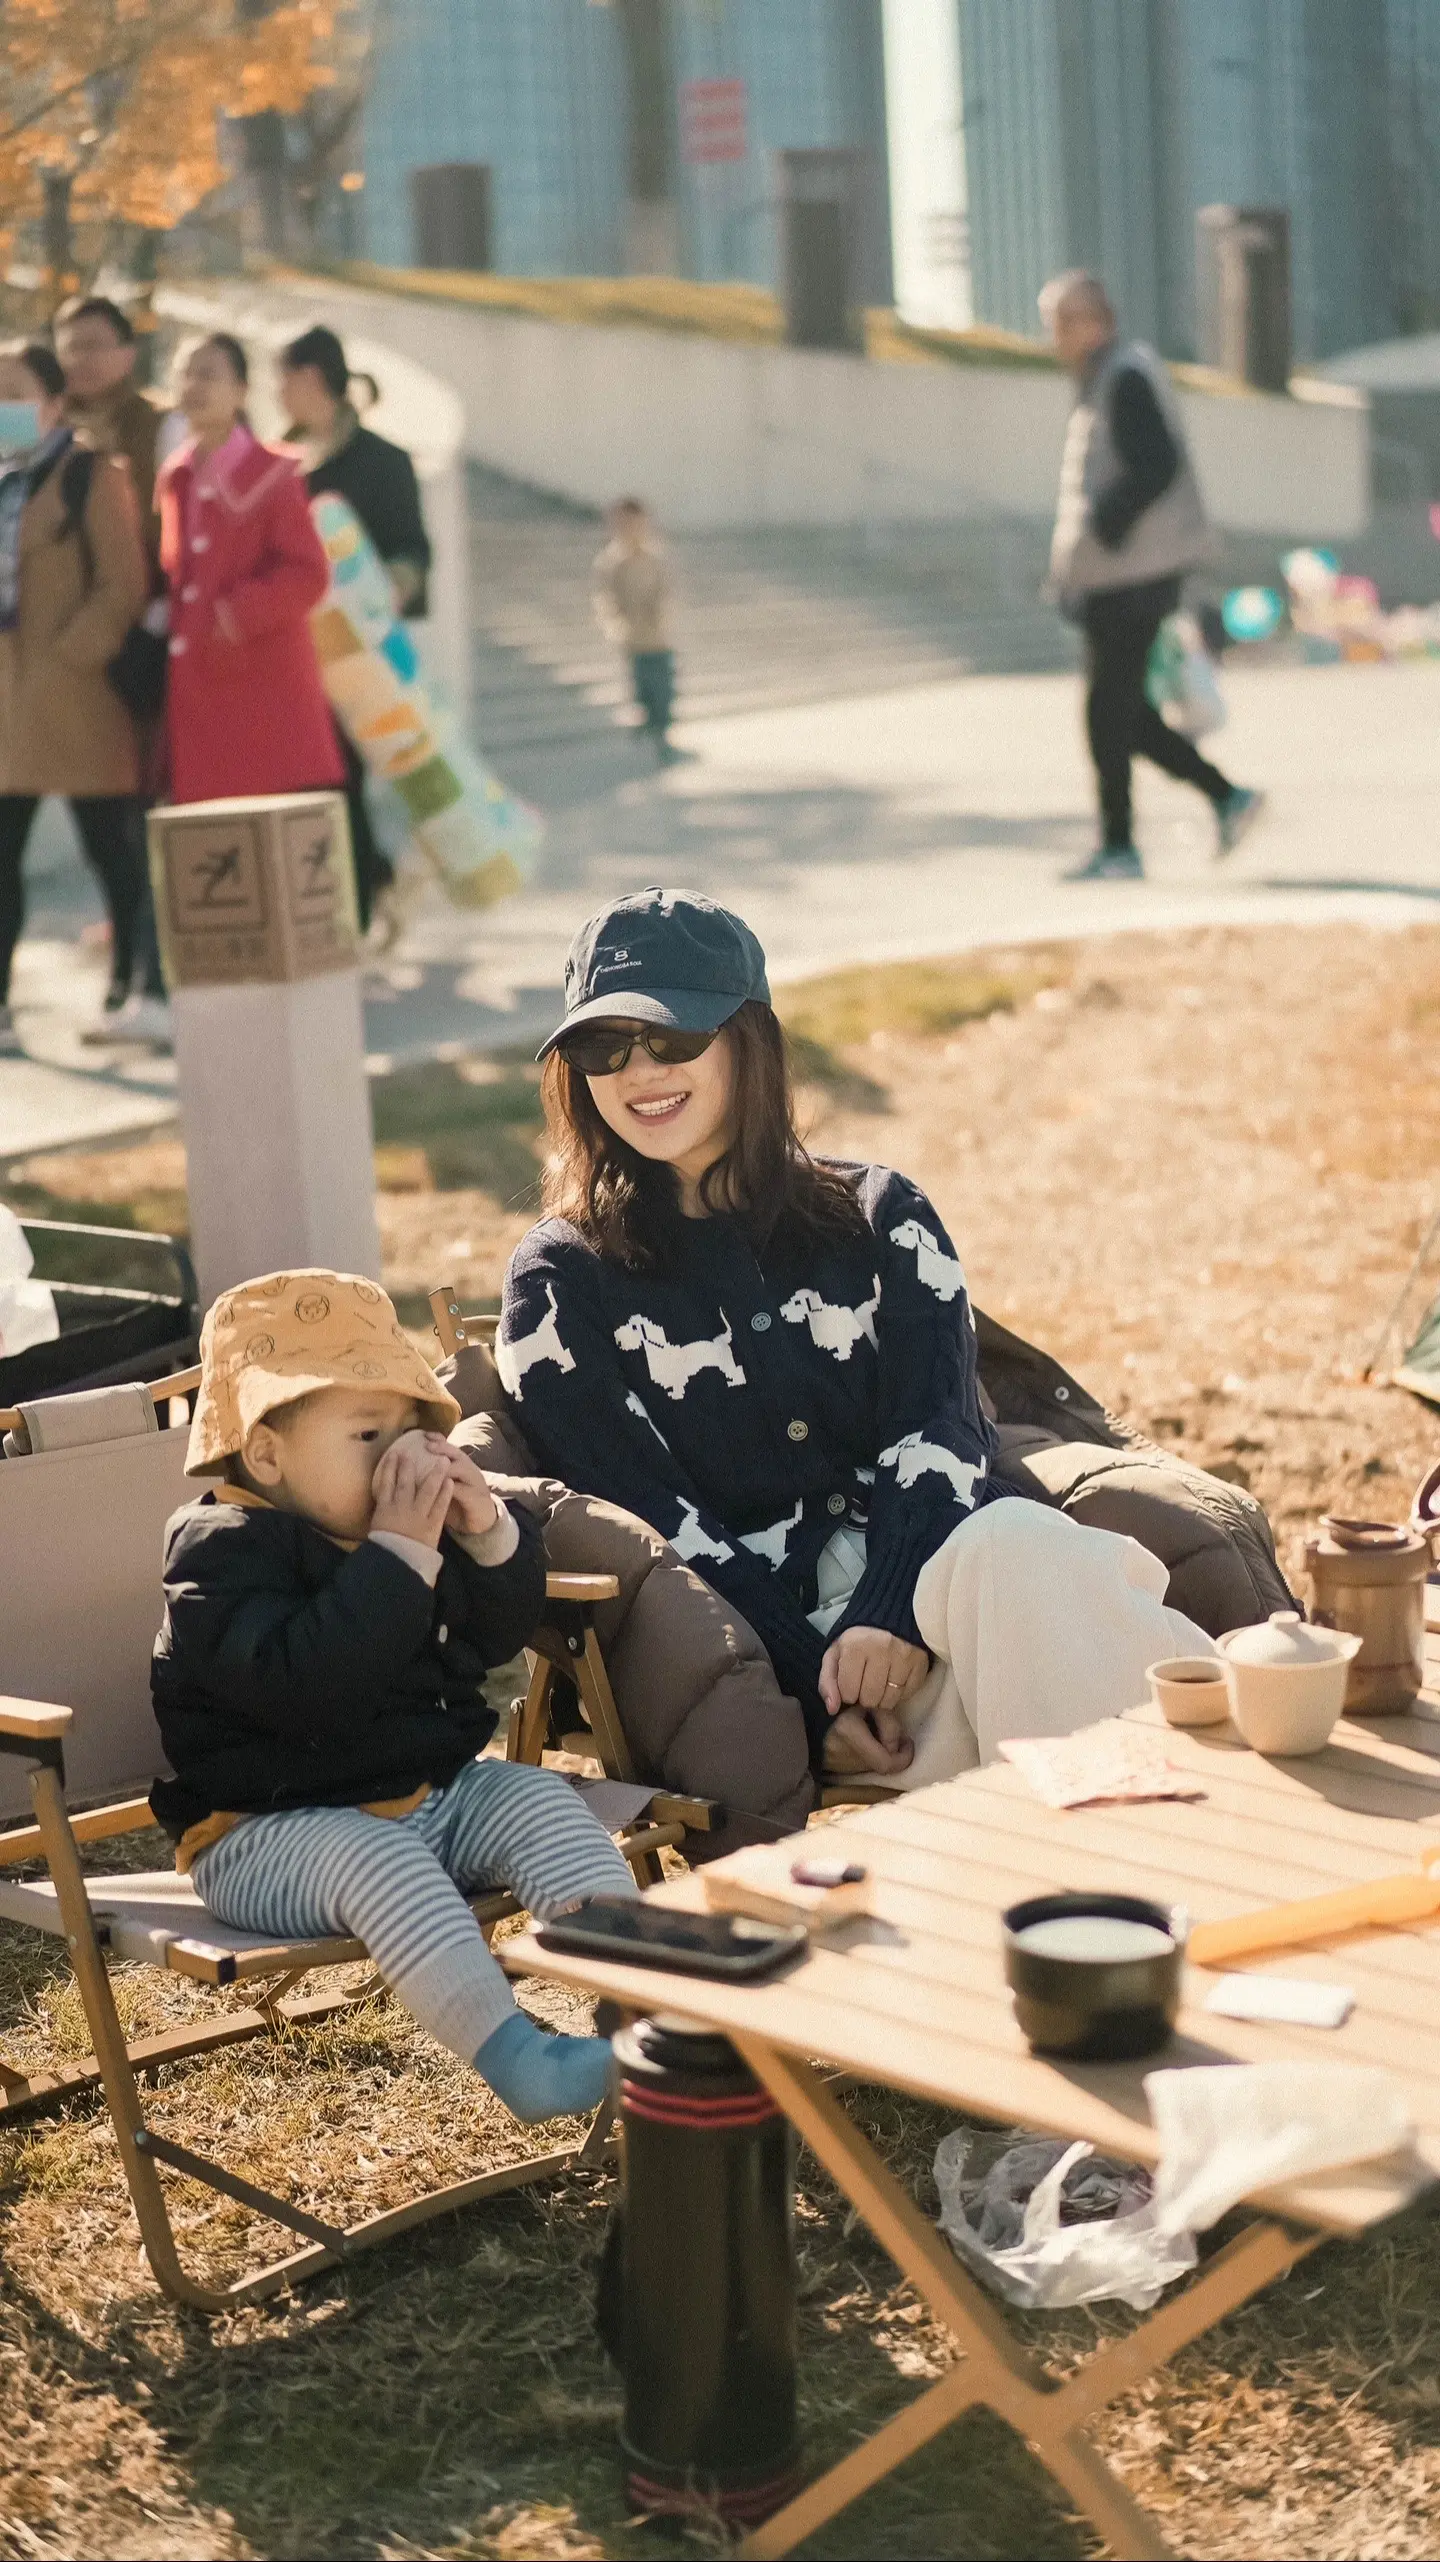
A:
256,908
925,114
277,1129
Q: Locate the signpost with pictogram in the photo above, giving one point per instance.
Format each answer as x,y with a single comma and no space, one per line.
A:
255,904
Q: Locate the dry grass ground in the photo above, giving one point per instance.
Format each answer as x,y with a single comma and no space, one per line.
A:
1196,1171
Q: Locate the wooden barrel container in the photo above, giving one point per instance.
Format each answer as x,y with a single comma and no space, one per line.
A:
1369,1577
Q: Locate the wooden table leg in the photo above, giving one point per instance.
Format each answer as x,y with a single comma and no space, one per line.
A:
903,2436
995,2370
1256,2256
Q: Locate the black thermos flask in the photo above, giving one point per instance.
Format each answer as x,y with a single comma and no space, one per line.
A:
698,2298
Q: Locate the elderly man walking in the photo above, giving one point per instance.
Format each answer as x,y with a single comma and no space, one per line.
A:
1130,522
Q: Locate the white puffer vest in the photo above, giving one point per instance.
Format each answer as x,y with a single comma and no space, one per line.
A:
1171,535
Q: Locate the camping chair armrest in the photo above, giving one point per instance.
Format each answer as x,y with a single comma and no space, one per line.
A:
586,1589
32,1729
33,1720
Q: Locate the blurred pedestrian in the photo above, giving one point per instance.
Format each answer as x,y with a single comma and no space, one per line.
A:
72,580
98,351
246,711
1130,522
378,480
632,597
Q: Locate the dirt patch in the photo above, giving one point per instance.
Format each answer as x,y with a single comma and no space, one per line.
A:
1197,1173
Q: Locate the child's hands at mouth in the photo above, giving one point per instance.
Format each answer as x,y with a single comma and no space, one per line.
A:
412,1490
472,1505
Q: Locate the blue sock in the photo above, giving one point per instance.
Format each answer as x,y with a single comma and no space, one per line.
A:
540,2076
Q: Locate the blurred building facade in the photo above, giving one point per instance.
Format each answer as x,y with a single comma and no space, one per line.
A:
1096,129
620,135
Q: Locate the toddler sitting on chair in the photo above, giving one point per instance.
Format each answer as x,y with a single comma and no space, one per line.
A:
332,1605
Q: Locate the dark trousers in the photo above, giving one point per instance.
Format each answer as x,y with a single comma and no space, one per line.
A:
1120,624
653,671
111,832
373,870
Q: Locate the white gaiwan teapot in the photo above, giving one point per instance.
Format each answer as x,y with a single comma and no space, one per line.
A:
1286,1681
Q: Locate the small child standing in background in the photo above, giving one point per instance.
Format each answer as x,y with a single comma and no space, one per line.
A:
632,607
332,1606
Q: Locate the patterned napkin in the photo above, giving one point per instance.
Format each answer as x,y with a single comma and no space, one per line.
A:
1109,1762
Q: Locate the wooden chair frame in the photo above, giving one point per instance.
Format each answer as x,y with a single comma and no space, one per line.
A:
35,1732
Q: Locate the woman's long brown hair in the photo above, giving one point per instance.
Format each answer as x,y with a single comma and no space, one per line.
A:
618,1198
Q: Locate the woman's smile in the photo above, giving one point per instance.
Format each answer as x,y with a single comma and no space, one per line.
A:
659,1107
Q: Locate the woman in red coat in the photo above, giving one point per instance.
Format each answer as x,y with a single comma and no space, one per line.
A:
246,709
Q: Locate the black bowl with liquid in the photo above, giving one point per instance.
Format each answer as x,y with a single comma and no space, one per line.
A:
1108,2008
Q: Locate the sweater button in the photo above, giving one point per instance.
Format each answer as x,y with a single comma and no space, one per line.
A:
442,1634
835,1505
798,1431
1062,1396
177,646
760,1322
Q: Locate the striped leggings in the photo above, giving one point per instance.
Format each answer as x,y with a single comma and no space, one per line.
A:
401,1885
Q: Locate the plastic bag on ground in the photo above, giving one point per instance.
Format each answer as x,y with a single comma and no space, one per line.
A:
27,1308
1051,2223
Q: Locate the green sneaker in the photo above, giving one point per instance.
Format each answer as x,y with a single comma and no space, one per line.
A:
1109,863
1235,816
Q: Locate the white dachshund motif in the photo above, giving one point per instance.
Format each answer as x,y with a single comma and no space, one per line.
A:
636,1406
938,1270
915,1457
672,1366
836,1329
514,1358
692,1543
770,1545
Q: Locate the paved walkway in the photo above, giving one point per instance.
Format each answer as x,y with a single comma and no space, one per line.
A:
878,827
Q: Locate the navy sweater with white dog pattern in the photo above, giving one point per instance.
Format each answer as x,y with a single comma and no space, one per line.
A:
747,1405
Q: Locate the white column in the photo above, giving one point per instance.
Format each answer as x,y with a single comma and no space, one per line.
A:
277,1128
924,114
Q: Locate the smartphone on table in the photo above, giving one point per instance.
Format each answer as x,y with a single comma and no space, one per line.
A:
728,1946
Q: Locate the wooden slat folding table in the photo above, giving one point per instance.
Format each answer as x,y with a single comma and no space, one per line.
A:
915,1997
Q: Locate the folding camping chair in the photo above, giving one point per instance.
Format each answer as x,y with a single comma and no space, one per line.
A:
122,1490
585,1667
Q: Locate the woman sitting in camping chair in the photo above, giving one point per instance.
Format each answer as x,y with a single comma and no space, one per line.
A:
771,1359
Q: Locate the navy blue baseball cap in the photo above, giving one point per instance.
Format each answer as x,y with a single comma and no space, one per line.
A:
661,956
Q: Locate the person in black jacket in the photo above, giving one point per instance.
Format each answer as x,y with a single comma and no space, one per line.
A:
378,480
331,1609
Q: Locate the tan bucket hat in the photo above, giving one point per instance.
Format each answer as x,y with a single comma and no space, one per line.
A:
270,1341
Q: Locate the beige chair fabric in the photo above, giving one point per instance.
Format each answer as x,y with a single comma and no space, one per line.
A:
81,1541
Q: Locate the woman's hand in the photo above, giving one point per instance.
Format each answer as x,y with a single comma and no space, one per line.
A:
412,1489
875,1742
868,1668
472,1505
865,1678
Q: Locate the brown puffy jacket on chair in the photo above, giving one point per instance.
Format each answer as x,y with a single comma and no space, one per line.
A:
695,1689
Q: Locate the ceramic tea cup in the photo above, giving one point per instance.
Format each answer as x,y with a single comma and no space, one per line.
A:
1190,1690
1094,1975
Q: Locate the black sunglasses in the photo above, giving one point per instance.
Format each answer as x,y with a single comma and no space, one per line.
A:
605,1049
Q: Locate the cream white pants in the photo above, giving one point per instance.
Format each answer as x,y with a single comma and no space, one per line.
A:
1038,1626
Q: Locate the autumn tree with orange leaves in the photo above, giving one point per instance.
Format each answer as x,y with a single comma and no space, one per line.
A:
110,112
